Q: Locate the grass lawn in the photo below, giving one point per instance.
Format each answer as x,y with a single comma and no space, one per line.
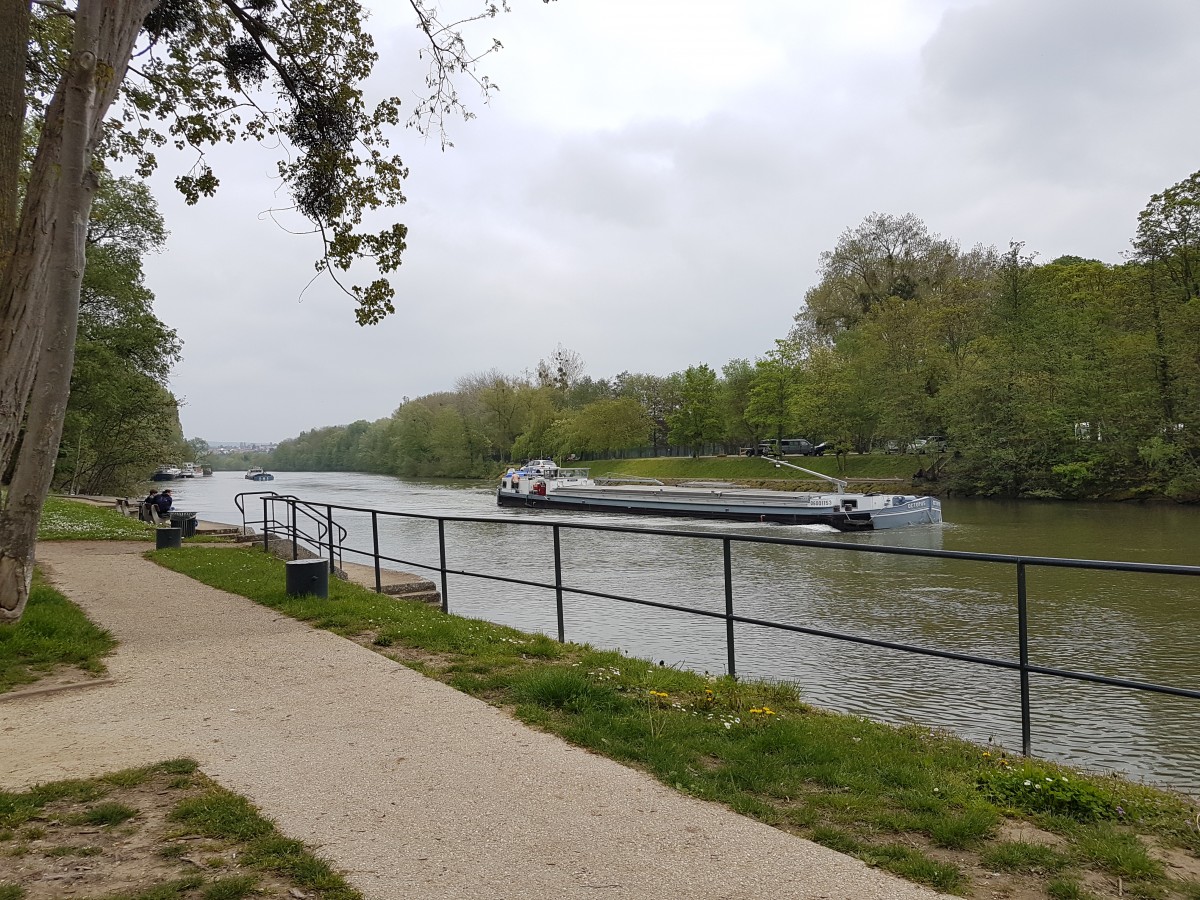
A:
71,520
53,634
920,803
166,829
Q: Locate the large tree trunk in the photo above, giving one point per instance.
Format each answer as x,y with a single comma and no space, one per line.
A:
45,301
23,281
14,52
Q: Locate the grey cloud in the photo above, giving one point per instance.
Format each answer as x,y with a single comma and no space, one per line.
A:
1068,90
620,182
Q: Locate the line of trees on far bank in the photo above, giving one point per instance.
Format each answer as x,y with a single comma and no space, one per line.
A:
1071,378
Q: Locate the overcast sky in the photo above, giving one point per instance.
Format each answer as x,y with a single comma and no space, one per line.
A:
655,180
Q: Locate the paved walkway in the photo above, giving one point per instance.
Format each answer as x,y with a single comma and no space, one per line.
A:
413,789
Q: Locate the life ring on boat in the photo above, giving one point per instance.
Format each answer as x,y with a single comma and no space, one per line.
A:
539,488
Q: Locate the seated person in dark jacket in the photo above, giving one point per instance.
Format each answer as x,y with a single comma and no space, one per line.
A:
163,503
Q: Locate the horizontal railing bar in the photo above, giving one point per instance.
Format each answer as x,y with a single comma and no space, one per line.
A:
305,507
1010,665
1006,558
384,558
972,658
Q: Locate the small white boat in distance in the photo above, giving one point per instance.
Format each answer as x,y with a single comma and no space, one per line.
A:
541,484
187,470
256,473
165,473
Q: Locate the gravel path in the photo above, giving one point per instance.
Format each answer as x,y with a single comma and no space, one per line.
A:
413,789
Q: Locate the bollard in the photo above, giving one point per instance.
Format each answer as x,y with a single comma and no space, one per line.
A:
307,576
166,538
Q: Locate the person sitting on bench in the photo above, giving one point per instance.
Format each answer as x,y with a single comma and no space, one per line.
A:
147,506
162,504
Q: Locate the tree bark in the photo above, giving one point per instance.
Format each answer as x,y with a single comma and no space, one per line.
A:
47,297
23,281
14,52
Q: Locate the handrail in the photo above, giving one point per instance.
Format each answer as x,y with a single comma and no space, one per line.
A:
325,527
1022,665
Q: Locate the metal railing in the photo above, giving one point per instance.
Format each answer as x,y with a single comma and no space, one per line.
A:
296,511
730,617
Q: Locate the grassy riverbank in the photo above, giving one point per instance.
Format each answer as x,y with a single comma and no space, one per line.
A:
917,802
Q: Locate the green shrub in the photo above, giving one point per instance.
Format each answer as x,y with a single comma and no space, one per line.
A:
1184,488
1030,789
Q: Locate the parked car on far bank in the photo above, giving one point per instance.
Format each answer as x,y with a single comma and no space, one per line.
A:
935,443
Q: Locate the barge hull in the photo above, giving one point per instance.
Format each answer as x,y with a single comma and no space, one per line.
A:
914,513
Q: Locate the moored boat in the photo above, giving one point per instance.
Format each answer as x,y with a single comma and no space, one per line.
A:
187,470
165,473
256,473
542,484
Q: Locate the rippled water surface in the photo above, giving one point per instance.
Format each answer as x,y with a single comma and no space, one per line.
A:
1134,626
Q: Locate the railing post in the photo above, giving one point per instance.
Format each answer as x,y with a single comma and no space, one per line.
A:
729,608
562,631
295,542
375,543
442,556
329,525
1023,637
266,534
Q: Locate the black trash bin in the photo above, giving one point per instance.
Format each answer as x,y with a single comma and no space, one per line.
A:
166,538
185,522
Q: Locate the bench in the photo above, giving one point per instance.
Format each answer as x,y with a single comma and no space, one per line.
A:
143,511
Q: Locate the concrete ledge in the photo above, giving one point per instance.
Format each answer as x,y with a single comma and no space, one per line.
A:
394,583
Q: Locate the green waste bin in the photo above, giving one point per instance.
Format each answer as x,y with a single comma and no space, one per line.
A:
185,522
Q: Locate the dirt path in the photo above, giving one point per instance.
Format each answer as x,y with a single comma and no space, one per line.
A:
415,790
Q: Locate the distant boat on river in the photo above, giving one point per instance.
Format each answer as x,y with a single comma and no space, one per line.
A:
256,473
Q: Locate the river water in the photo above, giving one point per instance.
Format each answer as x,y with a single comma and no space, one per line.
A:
1134,626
